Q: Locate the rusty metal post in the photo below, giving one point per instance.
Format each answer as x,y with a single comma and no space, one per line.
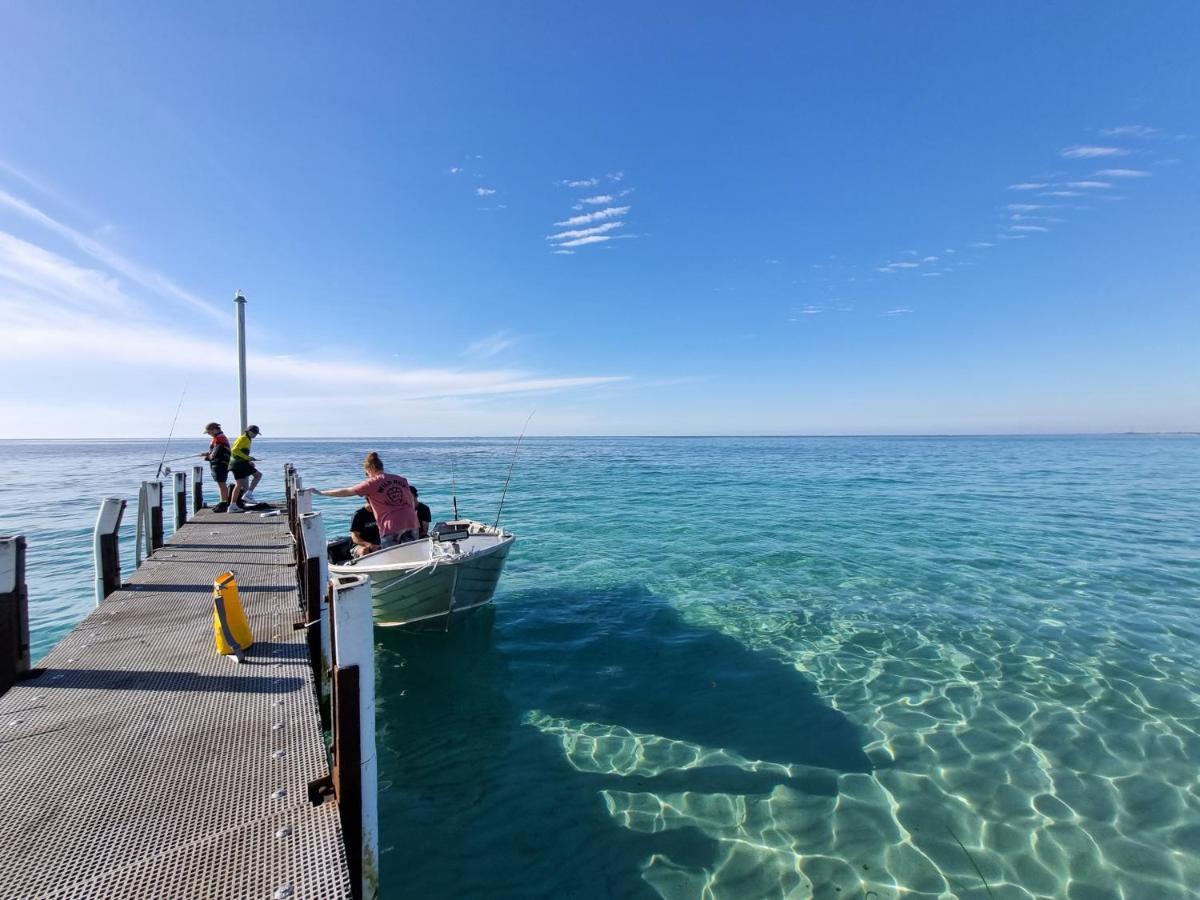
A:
356,779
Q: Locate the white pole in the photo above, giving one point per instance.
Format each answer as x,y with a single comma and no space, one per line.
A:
315,547
240,301
107,524
355,646
304,499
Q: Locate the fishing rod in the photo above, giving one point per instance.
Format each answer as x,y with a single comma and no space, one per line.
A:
171,434
182,458
510,470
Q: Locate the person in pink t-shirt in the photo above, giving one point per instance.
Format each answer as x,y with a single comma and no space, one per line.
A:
390,498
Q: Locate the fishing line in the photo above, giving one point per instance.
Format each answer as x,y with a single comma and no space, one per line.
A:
171,433
510,470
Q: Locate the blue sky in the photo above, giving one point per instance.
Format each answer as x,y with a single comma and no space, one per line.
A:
633,218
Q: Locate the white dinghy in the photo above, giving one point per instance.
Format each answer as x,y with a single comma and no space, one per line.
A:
455,569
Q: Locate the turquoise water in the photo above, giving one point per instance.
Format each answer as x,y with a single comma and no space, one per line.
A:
859,667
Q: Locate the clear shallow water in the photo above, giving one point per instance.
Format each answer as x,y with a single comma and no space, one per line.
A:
769,667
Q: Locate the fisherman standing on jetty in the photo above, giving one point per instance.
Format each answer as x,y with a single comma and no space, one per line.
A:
244,471
390,498
218,461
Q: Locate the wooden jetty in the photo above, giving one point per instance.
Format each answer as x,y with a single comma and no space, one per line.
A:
137,762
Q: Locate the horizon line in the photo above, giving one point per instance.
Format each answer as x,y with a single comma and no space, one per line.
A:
681,436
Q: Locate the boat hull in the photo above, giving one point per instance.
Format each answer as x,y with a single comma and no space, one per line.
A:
425,582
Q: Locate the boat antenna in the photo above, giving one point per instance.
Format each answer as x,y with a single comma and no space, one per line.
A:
171,433
510,471
453,485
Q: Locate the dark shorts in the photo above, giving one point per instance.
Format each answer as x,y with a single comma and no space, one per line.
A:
242,469
220,472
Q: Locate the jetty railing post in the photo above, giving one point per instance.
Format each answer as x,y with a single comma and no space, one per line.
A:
107,548
149,520
314,582
197,488
180,499
154,515
355,779
14,611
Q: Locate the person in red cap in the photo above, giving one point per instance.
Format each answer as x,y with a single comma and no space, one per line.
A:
218,461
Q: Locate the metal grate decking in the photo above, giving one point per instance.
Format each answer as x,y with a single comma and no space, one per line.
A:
139,763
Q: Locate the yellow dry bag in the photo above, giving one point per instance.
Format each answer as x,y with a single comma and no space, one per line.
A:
230,627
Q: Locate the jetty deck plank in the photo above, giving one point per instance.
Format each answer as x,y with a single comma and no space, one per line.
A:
139,763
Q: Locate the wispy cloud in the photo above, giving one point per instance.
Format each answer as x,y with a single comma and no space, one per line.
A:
982,244
1089,184
581,183
897,311
1138,131
598,199
584,241
616,176
1026,207
564,252
1090,151
584,232
1123,173
1060,194
146,278
484,192
610,212
931,274
455,170
1027,228
489,346
1027,186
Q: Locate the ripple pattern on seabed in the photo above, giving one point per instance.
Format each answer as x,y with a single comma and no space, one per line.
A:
1010,623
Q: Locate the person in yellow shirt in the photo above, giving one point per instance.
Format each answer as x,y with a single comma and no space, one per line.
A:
245,474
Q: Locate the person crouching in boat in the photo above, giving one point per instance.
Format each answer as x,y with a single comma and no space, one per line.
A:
364,532
390,498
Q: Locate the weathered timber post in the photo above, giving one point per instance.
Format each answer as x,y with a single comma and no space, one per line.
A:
106,547
315,597
180,500
14,612
355,779
197,488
